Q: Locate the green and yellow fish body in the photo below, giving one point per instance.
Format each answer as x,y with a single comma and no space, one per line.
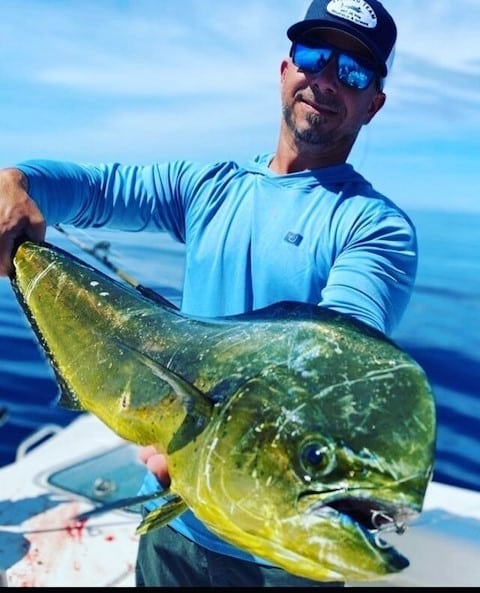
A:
293,432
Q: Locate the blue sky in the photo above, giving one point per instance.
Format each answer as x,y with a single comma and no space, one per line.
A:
151,80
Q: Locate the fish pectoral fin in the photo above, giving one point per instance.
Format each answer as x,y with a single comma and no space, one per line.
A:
162,515
198,408
194,401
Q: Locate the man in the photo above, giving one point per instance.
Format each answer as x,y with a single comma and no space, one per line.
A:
299,224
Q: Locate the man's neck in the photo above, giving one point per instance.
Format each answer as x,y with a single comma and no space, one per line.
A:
290,157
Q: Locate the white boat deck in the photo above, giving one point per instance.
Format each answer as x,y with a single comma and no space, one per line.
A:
41,546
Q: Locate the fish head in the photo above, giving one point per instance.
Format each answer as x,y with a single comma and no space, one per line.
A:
311,474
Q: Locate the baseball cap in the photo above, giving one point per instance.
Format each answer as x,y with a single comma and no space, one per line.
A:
365,20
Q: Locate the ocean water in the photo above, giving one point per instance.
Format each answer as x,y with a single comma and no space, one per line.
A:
441,330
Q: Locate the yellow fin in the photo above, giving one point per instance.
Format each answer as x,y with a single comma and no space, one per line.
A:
162,515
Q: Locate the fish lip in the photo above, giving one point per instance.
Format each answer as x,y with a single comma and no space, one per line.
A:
368,517
373,516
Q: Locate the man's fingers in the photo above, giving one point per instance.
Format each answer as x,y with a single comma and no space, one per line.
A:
156,463
146,452
9,242
6,251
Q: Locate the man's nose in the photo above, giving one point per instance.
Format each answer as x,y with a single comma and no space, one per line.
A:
327,77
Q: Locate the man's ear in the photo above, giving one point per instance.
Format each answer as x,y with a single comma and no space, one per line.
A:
376,104
283,69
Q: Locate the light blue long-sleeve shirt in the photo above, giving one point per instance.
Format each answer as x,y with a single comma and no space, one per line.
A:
252,238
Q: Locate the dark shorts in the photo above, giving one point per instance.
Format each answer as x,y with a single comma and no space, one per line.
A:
168,559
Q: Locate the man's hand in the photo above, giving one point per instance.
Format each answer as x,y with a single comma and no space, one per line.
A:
19,216
157,463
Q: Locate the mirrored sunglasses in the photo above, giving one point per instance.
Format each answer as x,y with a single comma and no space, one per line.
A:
355,72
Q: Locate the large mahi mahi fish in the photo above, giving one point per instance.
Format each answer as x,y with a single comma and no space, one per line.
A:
295,433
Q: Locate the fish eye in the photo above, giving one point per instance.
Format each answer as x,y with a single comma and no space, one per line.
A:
316,459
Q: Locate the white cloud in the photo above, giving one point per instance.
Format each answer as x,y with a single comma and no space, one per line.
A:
441,32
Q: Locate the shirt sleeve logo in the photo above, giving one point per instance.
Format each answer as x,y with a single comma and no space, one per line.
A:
293,238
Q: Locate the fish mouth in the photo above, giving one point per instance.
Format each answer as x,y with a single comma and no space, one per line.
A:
373,517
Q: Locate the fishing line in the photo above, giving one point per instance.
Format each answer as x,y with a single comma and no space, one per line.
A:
100,251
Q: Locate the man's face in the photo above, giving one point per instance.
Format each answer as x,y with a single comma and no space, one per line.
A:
318,109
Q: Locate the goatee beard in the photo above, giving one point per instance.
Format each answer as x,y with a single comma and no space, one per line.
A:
311,134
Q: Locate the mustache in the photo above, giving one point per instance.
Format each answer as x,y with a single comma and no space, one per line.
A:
319,99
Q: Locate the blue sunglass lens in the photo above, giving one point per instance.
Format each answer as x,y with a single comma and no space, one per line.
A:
349,71
311,59
352,73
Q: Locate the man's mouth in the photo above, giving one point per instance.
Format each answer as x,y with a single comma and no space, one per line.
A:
319,107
